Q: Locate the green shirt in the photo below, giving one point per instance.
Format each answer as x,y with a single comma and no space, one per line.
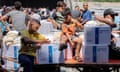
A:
29,49
59,19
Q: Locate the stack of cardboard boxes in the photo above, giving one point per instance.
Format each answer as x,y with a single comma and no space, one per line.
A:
10,55
97,37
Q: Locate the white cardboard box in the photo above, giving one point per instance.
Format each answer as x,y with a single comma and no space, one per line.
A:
54,37
95,53
11,57
97,34
50,54
117,36
46,27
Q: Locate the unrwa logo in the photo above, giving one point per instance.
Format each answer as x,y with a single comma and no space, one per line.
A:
55,49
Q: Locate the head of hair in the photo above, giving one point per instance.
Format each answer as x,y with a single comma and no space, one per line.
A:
76,6
34,10
116,14
42,12
110,12
60,4
35,20
66,12
85,3
18,5
93,12
64,4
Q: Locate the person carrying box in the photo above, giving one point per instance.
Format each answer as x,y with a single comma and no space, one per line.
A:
30,41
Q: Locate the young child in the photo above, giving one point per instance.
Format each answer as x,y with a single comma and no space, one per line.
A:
30,41
68,33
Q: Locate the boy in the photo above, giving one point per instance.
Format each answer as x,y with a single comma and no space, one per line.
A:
31,40
68,33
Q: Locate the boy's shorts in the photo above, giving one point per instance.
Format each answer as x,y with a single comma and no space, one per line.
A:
73,37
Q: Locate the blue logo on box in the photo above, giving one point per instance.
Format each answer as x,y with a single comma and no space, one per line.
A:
50,54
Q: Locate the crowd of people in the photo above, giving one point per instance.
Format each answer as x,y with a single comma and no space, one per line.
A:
27,22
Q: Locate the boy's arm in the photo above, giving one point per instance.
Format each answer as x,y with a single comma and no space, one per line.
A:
79,25
65,31
34,43
42,41
27,40
115,31
69,38
3,19
53,22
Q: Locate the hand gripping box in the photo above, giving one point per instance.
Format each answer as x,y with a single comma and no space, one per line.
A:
95,53
97,34
50,54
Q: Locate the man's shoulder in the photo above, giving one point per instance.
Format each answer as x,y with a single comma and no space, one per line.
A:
75,11
75,14
88,11
10,13
58,13
22,13
13,12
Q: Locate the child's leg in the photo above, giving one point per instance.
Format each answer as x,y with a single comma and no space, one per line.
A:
78,46
26,62
63,41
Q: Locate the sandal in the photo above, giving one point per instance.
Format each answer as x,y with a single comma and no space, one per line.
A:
78,58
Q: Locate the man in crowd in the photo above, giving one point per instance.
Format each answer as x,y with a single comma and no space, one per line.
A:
116,21
108,17
93,14
86,15
17,16
76,14
31,40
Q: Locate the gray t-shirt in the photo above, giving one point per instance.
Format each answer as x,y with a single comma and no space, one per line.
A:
18,19
75,14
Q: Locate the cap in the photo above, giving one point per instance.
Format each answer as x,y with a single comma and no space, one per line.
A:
109,11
